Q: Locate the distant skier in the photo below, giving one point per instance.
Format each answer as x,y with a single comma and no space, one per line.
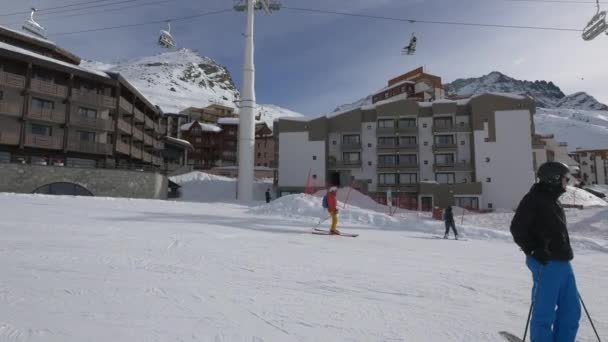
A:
268,198
539,228
332,209
448,218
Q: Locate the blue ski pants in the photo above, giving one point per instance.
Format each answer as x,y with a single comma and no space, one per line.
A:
556,308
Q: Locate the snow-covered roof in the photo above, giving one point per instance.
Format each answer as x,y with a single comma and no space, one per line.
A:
228,121
509,95
204,126
395,85
29,35
181,142
51,60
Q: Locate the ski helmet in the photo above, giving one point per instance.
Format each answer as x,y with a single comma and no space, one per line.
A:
552,172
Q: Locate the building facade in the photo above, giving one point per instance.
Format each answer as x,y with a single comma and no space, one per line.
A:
474,153
593,166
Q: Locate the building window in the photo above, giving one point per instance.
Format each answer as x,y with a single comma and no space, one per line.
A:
424,125
314,157
444,140
407,123
369,127
265,155
408,178
488,159
36,129
351,139
1,95
426,162
387,160
369,181
488,180
490,206
259,155
462,142
369,145
198,140
86,136
408,159
42,104
467,202
314,176
351,157
387,178
386,123
369,163
445,178
407,141
444,159
443,122
334,142
486,140
259,164
87,113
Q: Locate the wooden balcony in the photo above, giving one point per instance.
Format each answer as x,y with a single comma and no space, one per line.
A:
49,88
11,109
139,116
9,138
148,140
124,126
125,105
122,147
93,98
136,152
89,147
12,80
138,134
93,123
43,141
48,115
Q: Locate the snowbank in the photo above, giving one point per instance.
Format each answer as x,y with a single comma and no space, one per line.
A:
576,196
203,187
352,196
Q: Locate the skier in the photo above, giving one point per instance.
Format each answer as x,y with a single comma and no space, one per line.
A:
268,196
539,228
332,209
448,218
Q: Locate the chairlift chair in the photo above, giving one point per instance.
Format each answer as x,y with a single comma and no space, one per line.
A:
267,5
596,25
166,39
33,27
411,48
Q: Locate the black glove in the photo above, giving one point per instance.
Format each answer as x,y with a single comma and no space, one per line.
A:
540,255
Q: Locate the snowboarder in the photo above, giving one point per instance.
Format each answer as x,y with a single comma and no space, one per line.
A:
448,218
539,228
268,198
332,209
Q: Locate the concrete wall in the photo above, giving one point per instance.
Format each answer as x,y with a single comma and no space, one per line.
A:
507,176
296,161
101,182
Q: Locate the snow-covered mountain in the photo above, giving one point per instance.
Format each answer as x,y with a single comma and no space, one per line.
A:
183,78
581,100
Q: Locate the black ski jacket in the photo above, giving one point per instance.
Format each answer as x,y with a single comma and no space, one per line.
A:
540,224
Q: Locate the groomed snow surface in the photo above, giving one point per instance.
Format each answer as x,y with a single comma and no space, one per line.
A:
99,269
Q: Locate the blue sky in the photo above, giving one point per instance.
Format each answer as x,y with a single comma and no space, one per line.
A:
312,63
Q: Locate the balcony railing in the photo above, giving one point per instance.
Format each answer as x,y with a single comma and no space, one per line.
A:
49,88
406,164
12,80
45,114
94,123
122,147
350,146
138,134
345,164
89,147
139,116
444,146
43,141
452,128
387,146
9,138
11,108
125,105
93,98
149,123
124,126
136,152
148,140
454,166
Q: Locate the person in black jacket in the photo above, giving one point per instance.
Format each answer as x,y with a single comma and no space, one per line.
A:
539,229
267,195
448,218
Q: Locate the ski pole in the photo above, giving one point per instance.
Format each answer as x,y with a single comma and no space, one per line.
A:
321,221
528,321
532,303
589,316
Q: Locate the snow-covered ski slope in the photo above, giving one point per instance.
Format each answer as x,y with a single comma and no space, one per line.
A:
98,269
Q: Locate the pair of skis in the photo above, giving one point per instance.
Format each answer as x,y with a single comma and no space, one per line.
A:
319,231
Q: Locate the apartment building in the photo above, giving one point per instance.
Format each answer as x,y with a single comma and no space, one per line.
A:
474,153
54,112
547,148
593,165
